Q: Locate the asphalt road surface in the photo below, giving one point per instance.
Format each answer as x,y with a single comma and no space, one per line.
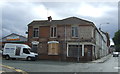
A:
111,65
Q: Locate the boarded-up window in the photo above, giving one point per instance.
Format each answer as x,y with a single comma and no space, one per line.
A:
53,49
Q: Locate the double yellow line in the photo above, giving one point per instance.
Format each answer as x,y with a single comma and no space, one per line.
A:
17,70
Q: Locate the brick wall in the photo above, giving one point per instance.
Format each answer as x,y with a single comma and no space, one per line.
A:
86,32
44,31
30,32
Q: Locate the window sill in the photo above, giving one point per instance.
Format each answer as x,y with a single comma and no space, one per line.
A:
53,37
35,37
50,54
75,37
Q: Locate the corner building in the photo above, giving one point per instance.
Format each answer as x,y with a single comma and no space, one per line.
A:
69,39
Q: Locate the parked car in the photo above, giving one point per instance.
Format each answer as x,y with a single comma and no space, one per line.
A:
14,51
115,54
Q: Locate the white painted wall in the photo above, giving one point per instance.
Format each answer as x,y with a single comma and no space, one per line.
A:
101,44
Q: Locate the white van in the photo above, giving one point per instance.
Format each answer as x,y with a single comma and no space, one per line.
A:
14,51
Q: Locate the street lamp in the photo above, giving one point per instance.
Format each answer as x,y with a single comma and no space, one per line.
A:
102,24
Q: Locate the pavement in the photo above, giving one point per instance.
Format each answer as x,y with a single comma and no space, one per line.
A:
103,59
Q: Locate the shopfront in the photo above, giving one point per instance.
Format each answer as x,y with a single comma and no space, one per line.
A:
13,38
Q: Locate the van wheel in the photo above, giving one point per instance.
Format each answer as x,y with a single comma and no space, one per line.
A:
7,57
13,58
29,58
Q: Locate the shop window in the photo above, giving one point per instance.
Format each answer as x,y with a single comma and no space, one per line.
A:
88,50
74,50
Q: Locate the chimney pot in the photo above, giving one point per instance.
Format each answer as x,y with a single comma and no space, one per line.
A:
50,18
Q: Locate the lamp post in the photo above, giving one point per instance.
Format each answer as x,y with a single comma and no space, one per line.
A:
101,42
102,24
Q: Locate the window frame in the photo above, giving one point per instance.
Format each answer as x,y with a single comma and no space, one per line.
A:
74,32
34,32
52,32
78,46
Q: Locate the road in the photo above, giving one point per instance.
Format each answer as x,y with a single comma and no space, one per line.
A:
111,65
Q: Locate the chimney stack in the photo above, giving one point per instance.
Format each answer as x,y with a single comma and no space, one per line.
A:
50,18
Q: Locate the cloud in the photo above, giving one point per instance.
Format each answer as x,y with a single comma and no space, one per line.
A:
17,15
111,42
40,11
88,10
91,10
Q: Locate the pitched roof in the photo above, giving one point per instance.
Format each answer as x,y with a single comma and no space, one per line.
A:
70,20
13,34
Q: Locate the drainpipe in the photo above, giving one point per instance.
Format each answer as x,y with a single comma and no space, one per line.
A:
78,51
78,46
65,44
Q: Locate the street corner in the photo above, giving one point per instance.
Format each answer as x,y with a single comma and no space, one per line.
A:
102,60
10,70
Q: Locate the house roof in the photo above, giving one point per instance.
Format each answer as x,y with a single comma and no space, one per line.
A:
66,21
13,34
22,38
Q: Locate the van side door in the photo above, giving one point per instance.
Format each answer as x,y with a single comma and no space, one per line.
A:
17,52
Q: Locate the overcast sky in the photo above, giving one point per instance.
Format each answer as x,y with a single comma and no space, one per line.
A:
17,15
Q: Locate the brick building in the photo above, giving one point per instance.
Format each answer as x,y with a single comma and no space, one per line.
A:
72,39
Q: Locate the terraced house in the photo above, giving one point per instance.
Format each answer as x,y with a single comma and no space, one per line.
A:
69,39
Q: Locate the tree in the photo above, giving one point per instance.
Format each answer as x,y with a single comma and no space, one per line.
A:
116,40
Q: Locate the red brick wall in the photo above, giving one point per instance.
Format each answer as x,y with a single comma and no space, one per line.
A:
61,31
30,32
44,31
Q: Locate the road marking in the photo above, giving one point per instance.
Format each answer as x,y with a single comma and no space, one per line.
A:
17,70
116,67
1,72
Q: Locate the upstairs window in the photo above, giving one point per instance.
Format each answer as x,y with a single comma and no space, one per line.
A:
35,32
74,31
53,32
